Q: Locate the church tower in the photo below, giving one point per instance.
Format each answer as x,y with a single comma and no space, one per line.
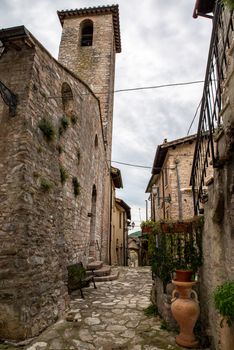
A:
90,40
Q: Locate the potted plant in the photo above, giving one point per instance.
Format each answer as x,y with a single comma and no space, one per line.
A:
187,265
224,301
149,226
224,304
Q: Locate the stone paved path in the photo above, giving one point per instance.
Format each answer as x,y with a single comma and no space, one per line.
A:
110,317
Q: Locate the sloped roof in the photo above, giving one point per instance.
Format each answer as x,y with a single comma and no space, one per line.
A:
124,205
96,11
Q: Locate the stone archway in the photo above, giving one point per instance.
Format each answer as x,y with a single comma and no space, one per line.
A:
92,249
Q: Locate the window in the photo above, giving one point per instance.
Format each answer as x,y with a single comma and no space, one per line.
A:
86,33
158,196
120,220
67,100
96,141
165,177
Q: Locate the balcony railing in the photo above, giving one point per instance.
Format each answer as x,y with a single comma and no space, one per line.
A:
206,150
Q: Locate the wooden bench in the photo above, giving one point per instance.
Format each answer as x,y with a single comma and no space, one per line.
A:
78,279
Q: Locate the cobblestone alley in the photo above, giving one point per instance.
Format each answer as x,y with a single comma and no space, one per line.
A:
110,317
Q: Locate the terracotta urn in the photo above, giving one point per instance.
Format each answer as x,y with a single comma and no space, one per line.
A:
185,309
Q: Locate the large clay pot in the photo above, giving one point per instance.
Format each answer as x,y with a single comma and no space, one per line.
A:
185,310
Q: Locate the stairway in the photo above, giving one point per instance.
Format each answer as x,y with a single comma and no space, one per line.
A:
101,272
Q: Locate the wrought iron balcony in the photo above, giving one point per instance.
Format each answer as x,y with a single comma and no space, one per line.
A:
206,150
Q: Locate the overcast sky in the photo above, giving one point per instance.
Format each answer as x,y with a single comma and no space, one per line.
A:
161,44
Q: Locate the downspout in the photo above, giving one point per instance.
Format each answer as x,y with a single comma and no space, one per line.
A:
124,241
110,235
164,211
180,213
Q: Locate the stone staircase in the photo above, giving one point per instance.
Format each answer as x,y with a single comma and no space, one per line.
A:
101,272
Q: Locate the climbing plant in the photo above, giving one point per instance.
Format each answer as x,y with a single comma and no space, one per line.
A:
175,250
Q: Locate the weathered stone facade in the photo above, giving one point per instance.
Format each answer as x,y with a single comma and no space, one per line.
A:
171,175
218,237
54,207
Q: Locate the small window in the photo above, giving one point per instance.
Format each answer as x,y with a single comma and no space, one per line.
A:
87,33
165,177
158,196
67,100
120,220
96,141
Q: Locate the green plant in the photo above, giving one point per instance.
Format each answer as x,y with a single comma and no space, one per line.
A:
165,326
64,124
76,186
60,149
48,129
175,250
46,185
151,310
224,301
150,226
73,119
229,3
63,174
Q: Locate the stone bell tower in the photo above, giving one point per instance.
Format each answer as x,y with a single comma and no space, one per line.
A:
90,40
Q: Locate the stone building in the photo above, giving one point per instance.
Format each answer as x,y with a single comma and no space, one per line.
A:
55,142
169,188
120,218
216,140
120,221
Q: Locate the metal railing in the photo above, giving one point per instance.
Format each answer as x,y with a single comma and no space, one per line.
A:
206,150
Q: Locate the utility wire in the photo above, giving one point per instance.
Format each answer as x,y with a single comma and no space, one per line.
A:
194,117
133,165
160,86
140,88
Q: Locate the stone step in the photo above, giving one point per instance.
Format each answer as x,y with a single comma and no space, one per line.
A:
112,277
104,271
90,259
95,265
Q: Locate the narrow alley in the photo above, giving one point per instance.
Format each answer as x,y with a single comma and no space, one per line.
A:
110,317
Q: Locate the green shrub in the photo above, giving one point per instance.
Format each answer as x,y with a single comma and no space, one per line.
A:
48,129
165,326
64,123
228,3
76,186
224,301
151,310
63,174
73,119
46,185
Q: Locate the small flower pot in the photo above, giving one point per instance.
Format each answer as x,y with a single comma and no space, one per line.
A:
184,275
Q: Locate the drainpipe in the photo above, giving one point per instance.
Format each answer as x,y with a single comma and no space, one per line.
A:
110,235
180,213
124,241
164,211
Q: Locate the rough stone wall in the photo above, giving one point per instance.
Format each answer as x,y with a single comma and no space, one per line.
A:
43,231
218,237
93,64
96,66
178,165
